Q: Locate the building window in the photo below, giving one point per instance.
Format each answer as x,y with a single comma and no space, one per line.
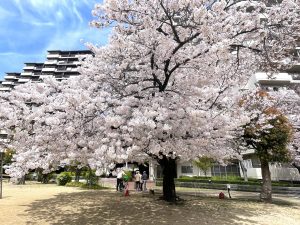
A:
186,169
229,170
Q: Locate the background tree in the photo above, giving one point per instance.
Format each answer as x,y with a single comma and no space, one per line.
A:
204,163
269,133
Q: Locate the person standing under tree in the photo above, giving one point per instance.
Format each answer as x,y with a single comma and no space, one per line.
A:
120,180
144,180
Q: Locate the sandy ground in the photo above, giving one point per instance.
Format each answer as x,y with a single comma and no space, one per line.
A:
51,204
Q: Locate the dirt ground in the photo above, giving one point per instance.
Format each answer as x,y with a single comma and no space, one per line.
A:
51,204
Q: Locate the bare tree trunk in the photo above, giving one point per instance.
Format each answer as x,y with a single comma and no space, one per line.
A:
77,174
244,170
266,190
89,177
21,180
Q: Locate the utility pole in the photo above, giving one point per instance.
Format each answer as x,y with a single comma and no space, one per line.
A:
1,172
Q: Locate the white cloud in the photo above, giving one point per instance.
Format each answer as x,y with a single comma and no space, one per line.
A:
28,28
37,23
4,13
75,10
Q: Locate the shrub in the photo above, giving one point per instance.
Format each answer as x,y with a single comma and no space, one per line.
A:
63,178
227,178
91,177
45,178
128,173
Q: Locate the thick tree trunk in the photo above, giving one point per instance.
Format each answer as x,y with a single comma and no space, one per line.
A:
169,193
45,178
168,166
266,190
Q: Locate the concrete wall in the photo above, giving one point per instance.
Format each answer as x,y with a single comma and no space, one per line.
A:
276,173
196,170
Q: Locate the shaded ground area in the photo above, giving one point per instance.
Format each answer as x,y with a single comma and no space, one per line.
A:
50,204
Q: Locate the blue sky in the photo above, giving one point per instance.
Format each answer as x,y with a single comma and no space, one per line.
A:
28,28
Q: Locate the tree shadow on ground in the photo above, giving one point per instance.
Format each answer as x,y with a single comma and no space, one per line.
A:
111,208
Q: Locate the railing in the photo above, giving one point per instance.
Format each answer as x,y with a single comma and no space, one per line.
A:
234,187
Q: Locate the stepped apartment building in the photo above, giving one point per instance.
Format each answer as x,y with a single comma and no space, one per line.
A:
59,64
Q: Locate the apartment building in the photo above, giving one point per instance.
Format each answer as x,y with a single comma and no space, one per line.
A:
59,64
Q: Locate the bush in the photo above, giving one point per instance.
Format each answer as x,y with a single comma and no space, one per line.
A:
45,178
91,177
227,178
64,178
128,174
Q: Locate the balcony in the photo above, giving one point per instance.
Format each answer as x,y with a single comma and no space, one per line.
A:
28,67
48,69
10,78
70,55
52,56
50,62
72,69
23,80
276,79
5,88
7,83
62,62
26,74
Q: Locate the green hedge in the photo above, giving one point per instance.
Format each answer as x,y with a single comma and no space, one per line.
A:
232,180
85,186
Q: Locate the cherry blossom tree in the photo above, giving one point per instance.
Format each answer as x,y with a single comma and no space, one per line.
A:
268,132
162,88
181,64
